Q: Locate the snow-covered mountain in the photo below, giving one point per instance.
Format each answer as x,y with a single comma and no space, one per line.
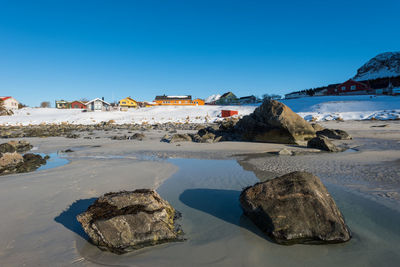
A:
212,98
382,66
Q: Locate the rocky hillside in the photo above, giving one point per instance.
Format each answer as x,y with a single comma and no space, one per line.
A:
382,66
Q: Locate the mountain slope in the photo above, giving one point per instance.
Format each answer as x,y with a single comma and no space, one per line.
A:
382,66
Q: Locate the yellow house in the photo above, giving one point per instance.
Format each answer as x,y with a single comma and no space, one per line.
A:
128,102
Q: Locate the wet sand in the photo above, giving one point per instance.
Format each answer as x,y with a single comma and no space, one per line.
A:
38,225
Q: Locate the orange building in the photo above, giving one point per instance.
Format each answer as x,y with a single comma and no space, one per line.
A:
186,100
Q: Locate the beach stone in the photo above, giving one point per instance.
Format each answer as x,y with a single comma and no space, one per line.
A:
295,208
7,148
138,136
334,134
285,152
317,127
274,122
10,159
128,220
21,146
180,138
322,143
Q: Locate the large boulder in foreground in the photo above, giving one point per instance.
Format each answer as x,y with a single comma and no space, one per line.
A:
274,122
295,208
128,220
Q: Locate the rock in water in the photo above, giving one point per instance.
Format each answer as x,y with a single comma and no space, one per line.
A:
295,208
274,122
128,220
321,142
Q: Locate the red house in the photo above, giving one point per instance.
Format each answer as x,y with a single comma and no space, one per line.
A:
78,104
349,87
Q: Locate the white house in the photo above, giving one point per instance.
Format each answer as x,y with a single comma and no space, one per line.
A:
98,104
9,102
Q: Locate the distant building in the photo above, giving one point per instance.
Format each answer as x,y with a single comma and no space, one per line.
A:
77,105
296,95
247,100
350,87
127,103
62,104
228,98
198,102
98,104
185,100
9,102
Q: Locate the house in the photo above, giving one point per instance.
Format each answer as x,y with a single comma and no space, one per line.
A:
62,104
227,99
198,102
98,104
9,102
128,102
350,87
247,100
296,95
164,100
78,105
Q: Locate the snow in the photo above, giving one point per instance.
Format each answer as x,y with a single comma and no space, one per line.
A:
362,107
358,107
212,98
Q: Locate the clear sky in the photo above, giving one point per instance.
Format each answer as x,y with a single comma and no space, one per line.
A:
85,49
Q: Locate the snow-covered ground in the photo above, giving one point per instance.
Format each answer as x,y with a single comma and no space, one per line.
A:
320,108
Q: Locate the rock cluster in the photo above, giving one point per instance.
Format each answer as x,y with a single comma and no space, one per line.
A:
295,208
272,122
334,134
11,161
128,220
136,136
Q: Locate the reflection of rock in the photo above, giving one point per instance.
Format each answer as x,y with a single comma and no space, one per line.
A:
295,208
274,122
125,221
334,134
323,143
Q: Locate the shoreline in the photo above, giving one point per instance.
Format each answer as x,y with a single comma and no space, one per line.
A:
41,205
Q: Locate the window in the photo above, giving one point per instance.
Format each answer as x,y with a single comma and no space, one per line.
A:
343,88
353,87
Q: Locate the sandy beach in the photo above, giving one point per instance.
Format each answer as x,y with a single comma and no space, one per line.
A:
38,226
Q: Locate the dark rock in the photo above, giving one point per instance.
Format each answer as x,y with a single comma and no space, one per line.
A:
21,146
323,143
138,136
295,208
68,151
73,136
179,138
128,220
334,134
7,148
274,122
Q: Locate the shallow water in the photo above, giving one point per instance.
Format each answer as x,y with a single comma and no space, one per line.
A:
206,192
54,161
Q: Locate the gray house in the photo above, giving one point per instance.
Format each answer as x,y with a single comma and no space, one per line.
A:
98,104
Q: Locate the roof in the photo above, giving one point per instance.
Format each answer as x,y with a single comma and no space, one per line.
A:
168,97
248,97
129,98
353,81
99,100
4,97
83,103
226,94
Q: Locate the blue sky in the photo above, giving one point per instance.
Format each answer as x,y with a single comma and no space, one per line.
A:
85,49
